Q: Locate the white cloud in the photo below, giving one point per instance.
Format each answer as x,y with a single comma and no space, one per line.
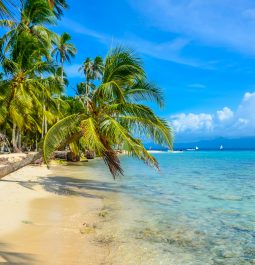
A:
225,114
212,22
192,122
224,122
80,29
168,51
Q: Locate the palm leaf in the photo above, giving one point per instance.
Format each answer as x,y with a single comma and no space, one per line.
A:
63,131
144,91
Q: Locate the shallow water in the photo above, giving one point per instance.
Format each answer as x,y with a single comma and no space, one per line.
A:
199,209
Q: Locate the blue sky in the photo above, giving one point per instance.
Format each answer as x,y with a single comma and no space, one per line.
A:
200,52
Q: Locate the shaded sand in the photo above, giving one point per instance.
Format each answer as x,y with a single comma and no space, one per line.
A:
49,219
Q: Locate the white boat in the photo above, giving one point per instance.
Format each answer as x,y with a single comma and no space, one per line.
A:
221,147
197,148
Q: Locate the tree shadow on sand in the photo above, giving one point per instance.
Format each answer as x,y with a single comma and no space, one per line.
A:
69,186
63,185
8,257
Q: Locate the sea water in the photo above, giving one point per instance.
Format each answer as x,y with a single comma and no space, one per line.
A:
198,209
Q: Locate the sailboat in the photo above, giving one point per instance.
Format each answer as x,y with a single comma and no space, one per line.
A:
221,147
197,148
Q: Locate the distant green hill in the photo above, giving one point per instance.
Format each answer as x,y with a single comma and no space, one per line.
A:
237,143
244,143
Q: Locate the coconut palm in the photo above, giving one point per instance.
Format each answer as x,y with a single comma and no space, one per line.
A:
33,18
20,92
115,115
64,51
93,70
57,6
50,99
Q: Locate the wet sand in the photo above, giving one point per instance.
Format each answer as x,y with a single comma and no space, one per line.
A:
49,219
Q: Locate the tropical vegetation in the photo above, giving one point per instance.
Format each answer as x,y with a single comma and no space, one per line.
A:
108,112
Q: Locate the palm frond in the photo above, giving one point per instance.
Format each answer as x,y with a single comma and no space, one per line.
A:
144,91
91,136
119,134
63,131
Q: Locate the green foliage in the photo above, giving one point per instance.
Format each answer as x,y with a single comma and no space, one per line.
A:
64,50
64,131
114,116
31,82
109,110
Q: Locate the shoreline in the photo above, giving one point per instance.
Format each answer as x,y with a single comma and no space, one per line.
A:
49,214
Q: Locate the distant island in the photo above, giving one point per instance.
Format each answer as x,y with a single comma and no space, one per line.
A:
244,143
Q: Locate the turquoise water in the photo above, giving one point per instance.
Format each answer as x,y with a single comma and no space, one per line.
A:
199,209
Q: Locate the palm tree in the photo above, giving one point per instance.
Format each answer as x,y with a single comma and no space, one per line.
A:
20,92
93,70
28,102
114,115
57,6
64,51
50,98
33,18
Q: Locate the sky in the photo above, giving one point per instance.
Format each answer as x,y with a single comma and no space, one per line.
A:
201,53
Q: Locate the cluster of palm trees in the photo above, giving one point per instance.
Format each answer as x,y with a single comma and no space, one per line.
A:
108,111
32,81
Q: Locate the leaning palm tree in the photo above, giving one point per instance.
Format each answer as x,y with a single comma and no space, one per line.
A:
115,116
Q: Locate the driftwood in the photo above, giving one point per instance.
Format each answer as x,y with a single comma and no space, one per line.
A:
10,165
38,161
60,155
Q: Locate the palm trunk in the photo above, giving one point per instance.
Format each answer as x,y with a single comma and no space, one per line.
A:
19,140
36,143
43,112
62,70
46,125
14,142
43,123
62,80
87,93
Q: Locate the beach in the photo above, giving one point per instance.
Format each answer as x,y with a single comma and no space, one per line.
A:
46,221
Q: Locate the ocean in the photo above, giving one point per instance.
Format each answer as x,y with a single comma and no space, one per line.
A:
198,209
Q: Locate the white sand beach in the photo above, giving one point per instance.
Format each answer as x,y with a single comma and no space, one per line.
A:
43,223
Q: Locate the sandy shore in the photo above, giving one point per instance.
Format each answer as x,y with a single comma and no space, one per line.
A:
49,218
